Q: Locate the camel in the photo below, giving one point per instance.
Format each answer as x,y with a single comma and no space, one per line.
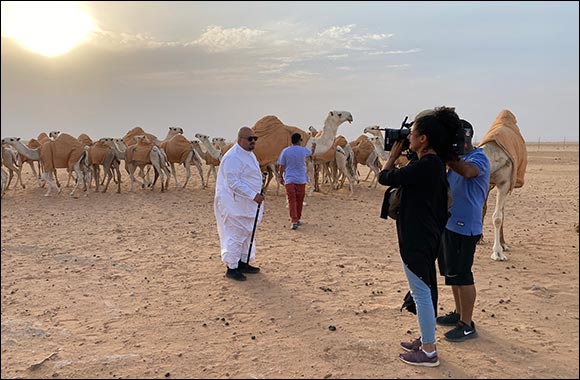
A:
100,153
273,136
365,154
142,153
212,155
338,160
11,160
33,144
180,150
64,152
506,150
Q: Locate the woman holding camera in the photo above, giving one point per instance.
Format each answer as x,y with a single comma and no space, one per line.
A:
422,217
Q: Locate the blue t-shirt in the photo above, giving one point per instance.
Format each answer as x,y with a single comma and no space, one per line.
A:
469,194
294,160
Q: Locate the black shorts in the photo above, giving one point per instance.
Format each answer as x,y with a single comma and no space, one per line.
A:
456,257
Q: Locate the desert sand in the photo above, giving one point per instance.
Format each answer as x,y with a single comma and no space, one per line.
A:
131,285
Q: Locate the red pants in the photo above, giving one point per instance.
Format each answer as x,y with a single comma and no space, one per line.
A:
295,194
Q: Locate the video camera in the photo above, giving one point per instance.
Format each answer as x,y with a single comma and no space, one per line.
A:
401,134
394,135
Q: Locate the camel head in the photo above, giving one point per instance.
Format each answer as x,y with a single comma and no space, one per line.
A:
176,130
312,131
202,137
10,140
218,140
141,138
53,134
339,117
373,130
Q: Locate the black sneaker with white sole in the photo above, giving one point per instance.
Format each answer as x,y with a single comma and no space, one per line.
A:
461,332
449,319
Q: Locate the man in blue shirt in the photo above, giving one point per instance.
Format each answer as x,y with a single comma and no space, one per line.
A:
293,176
468,179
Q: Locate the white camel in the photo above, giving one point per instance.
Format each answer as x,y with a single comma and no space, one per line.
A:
212,155
505,148
11,160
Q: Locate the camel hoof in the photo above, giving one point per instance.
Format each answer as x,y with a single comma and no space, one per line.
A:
498,257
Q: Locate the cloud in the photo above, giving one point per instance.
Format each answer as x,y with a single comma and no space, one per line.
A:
388,52
218,39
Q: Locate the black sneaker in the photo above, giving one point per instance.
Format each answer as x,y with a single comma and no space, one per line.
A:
247,268
449,319
235,274
461,332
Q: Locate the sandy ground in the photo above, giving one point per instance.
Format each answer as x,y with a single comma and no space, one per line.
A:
131,285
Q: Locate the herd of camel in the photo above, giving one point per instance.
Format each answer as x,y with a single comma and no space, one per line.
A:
335,159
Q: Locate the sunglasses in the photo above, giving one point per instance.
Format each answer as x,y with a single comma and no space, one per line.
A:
252,138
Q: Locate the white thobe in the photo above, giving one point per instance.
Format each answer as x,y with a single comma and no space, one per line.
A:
239,180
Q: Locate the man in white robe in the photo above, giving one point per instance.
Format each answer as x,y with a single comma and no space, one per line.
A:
237,199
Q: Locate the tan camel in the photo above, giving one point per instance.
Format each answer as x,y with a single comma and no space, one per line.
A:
129,139
338,161
506,150
11,160
142,153
273,136
64,152
180,150
100,153
365,154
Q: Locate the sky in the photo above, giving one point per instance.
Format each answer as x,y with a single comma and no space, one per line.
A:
214,67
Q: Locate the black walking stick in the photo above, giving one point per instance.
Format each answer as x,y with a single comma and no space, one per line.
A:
256,219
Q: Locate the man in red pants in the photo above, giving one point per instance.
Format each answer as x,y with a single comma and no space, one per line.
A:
293,176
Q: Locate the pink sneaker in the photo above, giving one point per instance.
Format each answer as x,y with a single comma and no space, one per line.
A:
419,358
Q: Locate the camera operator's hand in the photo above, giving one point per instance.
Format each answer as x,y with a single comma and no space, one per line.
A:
397,148
396,151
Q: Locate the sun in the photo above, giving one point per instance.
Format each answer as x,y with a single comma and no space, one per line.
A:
50,28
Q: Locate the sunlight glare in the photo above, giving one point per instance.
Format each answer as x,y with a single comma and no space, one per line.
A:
50,28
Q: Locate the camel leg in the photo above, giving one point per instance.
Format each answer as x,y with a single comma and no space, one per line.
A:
200,171
175,175
80,178
498,214
31,163
310,172
47,177
483,212
10,175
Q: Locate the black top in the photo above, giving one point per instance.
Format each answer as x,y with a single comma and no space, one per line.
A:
422,214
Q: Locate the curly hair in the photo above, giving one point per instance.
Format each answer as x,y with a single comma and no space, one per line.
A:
440,125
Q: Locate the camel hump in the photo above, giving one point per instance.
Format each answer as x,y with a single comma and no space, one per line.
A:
340,141
85,139
64,140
